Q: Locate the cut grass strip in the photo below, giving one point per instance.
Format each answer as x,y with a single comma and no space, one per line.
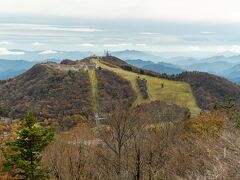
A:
94,88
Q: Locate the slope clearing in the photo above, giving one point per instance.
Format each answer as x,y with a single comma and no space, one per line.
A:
173,92
94,88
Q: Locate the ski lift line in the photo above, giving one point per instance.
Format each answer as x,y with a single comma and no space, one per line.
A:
98,119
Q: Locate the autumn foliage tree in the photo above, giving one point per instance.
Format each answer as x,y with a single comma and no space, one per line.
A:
22,155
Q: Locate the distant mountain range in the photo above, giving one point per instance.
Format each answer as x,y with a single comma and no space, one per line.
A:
125,54
225,66
211,67
76,55
228,67
133,54
160,67
12,68
232,73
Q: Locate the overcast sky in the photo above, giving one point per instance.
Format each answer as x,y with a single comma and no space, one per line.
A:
180,10
156,25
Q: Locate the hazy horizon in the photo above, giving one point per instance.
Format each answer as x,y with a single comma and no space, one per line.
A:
158,26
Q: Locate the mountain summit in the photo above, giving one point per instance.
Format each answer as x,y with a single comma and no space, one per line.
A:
95,84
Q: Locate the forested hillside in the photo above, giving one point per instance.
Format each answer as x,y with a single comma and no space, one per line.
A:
112,120
210,89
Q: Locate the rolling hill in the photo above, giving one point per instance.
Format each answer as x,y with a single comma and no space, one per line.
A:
103,100
81,88
100,84
173,92
209,89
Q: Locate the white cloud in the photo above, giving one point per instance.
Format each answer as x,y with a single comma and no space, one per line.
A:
235,49
117,45
86,45
71,28
149,33
46,52
141,44
46,27
220,49
194,48
232,48
163,37
6,43
4,51
38,44
207,32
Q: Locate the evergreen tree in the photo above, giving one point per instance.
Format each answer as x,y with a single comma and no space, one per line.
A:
22,156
